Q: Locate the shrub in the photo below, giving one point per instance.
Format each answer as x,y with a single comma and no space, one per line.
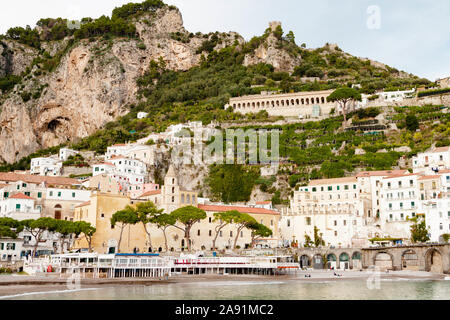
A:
433,92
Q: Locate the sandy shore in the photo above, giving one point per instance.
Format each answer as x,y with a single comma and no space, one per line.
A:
15,284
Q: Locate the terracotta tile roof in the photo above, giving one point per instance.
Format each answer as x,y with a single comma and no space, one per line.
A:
13,177
441,149
430,177
445,171
21,196
222,208
83,204
380,173
331,181
120,145
401,175
150,193
264,202
104,163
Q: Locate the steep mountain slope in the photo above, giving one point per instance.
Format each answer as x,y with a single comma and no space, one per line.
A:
92,84
59,85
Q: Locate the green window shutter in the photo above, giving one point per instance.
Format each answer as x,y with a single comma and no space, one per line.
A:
17,206
39,194
73,194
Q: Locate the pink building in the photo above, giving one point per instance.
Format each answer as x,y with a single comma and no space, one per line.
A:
137,190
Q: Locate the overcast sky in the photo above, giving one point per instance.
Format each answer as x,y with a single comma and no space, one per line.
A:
410,35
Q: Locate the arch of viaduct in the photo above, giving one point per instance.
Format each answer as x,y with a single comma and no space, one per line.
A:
326,258
431,258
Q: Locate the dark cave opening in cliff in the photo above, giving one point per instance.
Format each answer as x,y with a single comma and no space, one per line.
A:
55,123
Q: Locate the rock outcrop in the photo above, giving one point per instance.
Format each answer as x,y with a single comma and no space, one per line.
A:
270,52
92,85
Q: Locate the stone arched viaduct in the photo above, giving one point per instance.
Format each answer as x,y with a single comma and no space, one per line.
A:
431,258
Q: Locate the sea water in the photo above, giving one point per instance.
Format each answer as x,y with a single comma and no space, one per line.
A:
267,290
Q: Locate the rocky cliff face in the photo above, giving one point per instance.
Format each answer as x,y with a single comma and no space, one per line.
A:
15,57
92,85
268,52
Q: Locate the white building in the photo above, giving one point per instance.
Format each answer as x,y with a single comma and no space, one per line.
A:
370,183
134,170
435,191
65,153
333,206
46,167
432,161
19,207
397,96
10,249
142,115
400,196
117,150
144,153
103,168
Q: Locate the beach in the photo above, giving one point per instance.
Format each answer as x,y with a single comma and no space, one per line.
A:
11,285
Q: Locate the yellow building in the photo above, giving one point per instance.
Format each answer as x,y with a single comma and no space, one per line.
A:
99,210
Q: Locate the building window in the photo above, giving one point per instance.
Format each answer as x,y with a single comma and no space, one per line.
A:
289,222
24,185
220,234
271,222
335,222
210,233
308,221
210,220
51,193
335,233
17,207
231,233
354,186
345,222
346,187
338,188
59,194
314,189
330,188
102,215
39,195
73,194
6,194
198,232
